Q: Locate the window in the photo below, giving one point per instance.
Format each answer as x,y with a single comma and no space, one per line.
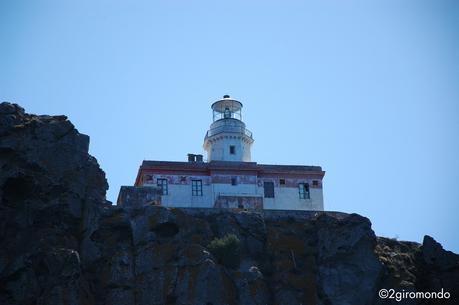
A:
303,189
282,181
196,187
232,149
315,183
233,180
269,189
162,183
227,113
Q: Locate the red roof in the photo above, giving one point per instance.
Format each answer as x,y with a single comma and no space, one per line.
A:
207,167
215,165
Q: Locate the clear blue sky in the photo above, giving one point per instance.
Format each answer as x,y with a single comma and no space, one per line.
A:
369,90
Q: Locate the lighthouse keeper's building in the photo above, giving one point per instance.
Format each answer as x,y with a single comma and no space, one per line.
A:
229,179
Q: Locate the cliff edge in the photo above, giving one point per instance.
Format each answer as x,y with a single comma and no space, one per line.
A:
62,243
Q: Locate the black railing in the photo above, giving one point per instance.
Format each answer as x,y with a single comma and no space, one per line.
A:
227,128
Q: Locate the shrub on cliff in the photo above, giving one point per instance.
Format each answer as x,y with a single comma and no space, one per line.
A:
226,250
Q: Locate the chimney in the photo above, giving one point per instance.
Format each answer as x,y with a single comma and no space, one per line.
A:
195,158
191,158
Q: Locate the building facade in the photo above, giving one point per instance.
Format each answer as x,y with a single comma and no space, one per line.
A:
228,178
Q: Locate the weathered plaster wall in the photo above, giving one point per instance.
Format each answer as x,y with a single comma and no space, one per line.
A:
239,202
286,197
180,191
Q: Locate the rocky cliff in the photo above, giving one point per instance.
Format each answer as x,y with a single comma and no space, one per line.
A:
62,243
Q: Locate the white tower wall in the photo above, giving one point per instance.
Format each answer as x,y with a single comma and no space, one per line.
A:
227,138
219,148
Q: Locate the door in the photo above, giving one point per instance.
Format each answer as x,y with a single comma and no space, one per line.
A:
269,189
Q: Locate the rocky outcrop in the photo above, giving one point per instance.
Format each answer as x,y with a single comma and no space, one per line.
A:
62,243
51,194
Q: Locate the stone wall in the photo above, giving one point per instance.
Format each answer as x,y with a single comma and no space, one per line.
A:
239,202
137,196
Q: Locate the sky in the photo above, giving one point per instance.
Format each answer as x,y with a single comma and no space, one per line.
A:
369,90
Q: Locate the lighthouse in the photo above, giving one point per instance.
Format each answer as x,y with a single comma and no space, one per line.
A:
230,178
227,138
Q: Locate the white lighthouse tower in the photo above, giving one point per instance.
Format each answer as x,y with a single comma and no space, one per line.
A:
227,138
230,179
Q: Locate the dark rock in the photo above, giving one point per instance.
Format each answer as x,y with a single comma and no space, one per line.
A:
7,108
348,269
51,191
438,269
61,242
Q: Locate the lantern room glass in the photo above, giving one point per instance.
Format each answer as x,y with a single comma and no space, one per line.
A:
227,109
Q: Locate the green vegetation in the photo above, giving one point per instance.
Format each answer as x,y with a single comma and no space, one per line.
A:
226,250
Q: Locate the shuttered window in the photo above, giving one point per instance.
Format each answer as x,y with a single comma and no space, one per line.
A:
269,189
303,190
162,183
196,187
